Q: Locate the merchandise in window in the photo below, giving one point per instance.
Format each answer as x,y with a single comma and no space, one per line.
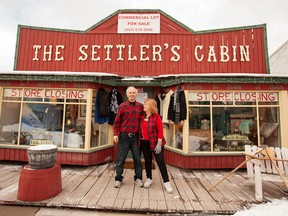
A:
236,120
42,116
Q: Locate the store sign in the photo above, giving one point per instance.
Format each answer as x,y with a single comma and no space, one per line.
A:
238,96
141,97
139,23
143,44
144,53
45,93
40,142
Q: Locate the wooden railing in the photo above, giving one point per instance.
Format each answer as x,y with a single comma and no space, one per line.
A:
266,159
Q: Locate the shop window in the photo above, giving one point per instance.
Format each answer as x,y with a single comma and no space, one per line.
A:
41,123
99,135
179,136
228,125
9,123
74,136
42,116
233,128
44,123
168,134
199,129
269,126
173,135
99,126
103,134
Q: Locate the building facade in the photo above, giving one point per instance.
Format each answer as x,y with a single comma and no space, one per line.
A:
66,83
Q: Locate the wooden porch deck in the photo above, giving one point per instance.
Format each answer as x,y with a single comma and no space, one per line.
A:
92,188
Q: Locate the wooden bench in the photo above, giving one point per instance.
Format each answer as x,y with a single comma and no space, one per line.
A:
265,159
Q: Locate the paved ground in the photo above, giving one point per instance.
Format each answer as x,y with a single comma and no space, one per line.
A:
36,211
18,210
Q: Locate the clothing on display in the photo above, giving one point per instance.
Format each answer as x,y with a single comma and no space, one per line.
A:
221,121
160,98
106,105
244,126
165,106
177,107
104,102
100,119
52,118
115,100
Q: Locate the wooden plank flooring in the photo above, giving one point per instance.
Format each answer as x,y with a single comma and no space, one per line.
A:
92,187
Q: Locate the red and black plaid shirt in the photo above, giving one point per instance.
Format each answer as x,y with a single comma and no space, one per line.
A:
154,130
128,118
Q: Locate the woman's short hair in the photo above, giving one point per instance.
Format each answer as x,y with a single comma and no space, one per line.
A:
152,104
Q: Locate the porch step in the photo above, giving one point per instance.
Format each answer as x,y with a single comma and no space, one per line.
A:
129,164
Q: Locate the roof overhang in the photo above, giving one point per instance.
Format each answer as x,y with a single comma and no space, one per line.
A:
162,80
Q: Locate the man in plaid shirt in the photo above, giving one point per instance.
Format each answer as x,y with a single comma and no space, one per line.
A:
126,134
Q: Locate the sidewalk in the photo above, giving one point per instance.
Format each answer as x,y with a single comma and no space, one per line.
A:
37,211
90,191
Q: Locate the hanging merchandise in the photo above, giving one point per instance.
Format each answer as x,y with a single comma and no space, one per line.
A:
160,97
52,118
205,124
177,111
104,102
166,103
100,119
115,100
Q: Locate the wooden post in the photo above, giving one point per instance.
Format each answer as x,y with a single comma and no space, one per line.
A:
258,181
249,164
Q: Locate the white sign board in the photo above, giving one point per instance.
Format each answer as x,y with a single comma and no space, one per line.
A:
139,23
141,97
238,96
45,93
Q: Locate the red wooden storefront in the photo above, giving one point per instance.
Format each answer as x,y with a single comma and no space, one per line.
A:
169,57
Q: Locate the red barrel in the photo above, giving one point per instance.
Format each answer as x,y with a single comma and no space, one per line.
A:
40,184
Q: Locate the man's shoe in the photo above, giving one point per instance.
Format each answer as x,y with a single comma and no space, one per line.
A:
168,187
117,184
148,183
139,183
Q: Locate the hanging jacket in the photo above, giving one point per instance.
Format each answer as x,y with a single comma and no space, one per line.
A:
104,102
160,97
115,100
98,118
177,107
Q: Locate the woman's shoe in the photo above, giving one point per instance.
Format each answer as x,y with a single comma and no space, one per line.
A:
148,183
168,187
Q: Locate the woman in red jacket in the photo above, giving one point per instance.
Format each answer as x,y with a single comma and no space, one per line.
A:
152,142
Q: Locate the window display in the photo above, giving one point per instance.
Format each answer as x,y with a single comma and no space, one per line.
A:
229,126
42,116
199,129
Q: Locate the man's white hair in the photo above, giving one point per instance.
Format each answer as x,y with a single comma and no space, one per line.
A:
130,87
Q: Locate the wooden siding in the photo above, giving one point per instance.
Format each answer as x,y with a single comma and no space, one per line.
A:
109,154
203,162
252,37
71,158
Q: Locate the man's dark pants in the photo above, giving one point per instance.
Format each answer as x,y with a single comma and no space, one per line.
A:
125,144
